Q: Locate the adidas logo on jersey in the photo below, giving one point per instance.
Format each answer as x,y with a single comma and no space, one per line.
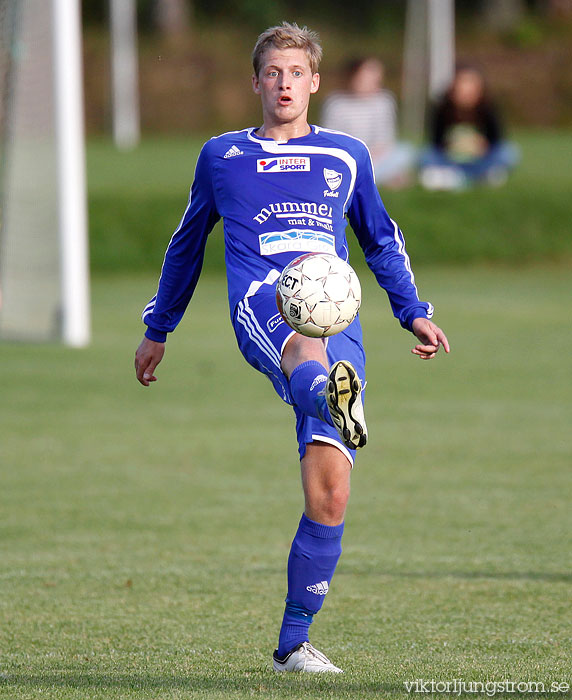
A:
233,151
320,588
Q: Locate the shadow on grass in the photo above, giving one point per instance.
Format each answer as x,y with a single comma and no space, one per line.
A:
264,683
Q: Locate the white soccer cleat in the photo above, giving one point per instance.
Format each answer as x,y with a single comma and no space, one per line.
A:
343,396
304,658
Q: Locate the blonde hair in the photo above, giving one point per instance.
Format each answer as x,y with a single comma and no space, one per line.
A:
288,36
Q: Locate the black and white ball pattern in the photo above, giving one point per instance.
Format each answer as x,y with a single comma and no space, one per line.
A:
318,294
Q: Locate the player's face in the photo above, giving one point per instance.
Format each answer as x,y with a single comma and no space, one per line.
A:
285,83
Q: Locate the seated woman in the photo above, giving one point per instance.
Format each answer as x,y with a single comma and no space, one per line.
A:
467,144
369,112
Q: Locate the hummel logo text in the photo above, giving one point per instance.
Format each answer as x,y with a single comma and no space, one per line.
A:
320,588
233,151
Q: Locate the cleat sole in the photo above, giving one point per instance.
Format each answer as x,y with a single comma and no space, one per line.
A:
345,405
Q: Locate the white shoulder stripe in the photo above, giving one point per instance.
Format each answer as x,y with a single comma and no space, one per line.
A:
355,138
340,133
228,133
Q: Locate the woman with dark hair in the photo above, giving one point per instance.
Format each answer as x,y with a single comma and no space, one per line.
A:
467,143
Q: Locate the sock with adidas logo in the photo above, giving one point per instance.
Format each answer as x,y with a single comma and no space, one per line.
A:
307,386
313,558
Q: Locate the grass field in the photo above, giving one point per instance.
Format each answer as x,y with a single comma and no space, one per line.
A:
145,532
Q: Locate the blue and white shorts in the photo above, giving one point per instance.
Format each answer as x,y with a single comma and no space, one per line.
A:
262,335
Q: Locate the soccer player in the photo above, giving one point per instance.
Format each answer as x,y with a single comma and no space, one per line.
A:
283,189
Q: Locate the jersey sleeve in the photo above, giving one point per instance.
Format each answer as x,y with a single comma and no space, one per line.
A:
384,247
184,257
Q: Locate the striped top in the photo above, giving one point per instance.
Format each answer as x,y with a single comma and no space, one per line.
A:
371,118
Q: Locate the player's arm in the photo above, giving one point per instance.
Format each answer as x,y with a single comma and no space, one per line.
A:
180,272
384,248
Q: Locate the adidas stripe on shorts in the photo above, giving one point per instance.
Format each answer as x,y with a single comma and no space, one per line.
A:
262,335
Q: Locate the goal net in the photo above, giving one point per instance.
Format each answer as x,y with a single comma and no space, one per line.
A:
38,158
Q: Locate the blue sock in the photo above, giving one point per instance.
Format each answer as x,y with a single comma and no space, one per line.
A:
307,384
313,557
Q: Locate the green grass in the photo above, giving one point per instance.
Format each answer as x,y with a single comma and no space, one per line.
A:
137,199
145,532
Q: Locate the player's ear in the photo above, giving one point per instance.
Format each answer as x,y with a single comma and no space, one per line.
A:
315,83
255,84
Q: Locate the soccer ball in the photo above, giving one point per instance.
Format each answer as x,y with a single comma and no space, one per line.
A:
318,294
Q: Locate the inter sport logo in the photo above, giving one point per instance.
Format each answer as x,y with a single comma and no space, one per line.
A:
282,165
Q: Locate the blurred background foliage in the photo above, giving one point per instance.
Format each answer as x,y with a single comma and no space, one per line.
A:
194,56
361,15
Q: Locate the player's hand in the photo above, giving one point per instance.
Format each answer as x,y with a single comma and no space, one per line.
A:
431,337
148,355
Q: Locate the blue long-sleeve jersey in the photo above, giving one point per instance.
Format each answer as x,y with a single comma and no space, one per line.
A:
278,200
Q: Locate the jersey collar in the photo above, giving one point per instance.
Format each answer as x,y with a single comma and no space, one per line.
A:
291,142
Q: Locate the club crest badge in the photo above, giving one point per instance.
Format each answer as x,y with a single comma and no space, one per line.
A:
333,178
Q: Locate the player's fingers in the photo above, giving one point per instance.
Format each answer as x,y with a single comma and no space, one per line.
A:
442,338
142,366
424,355
425,349
141,377
428,340
425,352
149,372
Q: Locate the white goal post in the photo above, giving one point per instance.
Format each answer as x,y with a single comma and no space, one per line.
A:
44,278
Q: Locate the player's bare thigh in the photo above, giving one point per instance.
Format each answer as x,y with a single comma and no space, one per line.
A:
326,482
300,349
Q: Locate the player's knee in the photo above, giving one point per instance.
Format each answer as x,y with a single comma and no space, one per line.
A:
337,502
326,481
301,349
329,503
